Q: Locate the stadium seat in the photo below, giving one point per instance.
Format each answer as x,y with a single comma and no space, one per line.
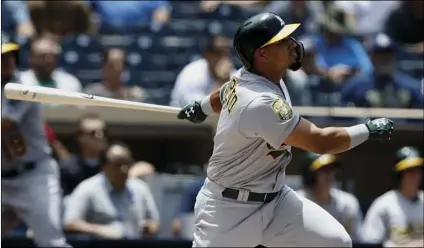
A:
410,63
25,45
179,44
185,26
155,79
82,55
185,9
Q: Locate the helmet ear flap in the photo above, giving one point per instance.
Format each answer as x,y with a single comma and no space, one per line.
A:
300,51
245,60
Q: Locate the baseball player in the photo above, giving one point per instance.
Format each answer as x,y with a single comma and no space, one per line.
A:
244,200
29,176
396,217
318,174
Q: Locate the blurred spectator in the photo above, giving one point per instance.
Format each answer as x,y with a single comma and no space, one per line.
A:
188,201
60,18
202,76
387,86
396,217
304,12
16,19
43,61
370,16
405,24
92,140
110,204
52,138
112,85
318,176
250,6
339,56
141,170
130,15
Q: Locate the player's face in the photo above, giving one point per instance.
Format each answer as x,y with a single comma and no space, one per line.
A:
325,177
412,178
281,54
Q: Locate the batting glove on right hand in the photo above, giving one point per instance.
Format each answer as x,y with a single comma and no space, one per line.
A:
193,113
380,129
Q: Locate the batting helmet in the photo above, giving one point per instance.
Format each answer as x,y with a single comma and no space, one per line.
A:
407,157
314,162
11,48
262,30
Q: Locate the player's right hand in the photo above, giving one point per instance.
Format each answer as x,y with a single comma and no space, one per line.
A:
192,112
380,129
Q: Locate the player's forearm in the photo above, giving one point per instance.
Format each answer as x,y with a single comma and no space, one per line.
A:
215,101
82,226
340,139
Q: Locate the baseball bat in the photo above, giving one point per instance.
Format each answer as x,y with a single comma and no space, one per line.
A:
51,95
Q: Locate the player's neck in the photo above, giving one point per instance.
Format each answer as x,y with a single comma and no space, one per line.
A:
266,72
322,196
408,193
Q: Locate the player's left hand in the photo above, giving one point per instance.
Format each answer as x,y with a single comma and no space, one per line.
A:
193,113
380,129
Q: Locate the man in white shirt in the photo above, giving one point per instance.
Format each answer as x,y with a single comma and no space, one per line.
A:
396,217
370,16
202,76
112,85
43,67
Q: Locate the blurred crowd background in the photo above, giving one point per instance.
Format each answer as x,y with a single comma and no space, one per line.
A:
358,54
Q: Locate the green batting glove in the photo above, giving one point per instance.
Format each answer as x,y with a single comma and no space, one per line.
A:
380,129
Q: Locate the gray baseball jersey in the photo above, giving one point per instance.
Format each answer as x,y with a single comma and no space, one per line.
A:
256,120
33,195
393,219
249,155
344,207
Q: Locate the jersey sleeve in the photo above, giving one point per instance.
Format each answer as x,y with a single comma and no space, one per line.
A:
15,110
268,117
355,219
374,229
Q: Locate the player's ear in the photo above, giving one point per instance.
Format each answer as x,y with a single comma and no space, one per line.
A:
260,54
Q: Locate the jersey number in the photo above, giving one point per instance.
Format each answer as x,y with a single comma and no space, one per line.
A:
13,143
276,153
230,97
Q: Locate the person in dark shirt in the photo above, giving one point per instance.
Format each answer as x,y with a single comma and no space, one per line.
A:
405,24
387,86
92,140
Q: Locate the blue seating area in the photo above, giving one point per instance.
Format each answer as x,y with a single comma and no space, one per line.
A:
157,53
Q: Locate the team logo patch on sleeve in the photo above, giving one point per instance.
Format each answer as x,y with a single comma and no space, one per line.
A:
282,109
